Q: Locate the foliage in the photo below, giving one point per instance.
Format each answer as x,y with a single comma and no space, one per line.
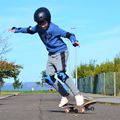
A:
43,74
38,83
117,63
8,70
104,68
17,84
92,69
85,70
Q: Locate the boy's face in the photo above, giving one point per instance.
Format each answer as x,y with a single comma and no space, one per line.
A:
44,25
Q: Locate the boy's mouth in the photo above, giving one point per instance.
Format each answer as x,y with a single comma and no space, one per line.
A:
44,25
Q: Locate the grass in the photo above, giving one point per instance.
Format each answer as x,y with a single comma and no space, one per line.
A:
3,93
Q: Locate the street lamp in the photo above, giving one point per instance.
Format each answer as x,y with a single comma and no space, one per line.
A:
76,75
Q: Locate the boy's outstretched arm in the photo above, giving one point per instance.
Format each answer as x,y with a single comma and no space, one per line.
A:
30,30
18,30
11,30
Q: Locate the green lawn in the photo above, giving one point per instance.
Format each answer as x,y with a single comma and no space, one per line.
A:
3,93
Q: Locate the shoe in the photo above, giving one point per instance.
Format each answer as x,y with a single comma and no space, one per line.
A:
79,100
63,101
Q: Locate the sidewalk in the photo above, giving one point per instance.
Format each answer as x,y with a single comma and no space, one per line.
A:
103,98
6,96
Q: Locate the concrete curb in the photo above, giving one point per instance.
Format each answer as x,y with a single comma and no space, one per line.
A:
3,97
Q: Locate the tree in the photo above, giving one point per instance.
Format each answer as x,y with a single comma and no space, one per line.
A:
38,83
104,68
8,70
4,47
43,74
117,63
17,84
1,84
85,70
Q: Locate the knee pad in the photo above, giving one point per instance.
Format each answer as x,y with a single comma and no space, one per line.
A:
62,76
61,89
49,79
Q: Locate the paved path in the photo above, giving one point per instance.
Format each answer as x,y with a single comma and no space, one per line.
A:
103,98
44,107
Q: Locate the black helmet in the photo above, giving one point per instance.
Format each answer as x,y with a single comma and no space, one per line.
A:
42,14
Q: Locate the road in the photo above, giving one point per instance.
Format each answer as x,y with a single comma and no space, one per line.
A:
45,107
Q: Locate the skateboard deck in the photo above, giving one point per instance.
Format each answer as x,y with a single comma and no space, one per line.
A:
72,108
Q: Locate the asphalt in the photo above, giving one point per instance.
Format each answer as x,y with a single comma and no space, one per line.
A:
45,107
98,97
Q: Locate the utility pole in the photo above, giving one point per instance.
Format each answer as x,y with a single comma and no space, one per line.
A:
76,75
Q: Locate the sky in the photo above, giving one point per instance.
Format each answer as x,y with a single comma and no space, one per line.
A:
96,24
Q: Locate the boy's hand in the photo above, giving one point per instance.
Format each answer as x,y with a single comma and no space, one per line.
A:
76,43
12,29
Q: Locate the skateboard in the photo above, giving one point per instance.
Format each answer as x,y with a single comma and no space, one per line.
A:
72,108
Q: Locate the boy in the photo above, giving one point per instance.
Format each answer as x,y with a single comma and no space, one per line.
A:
50,35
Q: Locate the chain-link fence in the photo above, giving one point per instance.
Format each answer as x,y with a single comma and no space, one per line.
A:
106,83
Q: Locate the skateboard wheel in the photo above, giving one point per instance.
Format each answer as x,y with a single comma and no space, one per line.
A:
67,110
92,108
82,110
76,110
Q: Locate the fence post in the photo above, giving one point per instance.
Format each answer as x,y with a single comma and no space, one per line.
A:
104,83
91,84
114,83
